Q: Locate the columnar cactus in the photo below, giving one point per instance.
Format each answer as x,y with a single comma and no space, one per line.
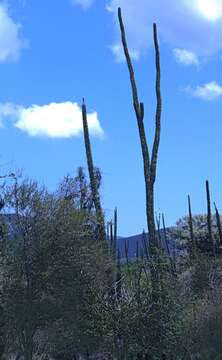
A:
149,164
126,249
209,218
171,259
118,277
165,236
192,239
93,183
115,244
218,219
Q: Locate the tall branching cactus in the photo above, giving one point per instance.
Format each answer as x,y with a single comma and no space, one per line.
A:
209,218
93,183
149,164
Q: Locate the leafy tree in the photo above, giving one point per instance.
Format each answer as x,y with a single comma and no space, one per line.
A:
53,272
78,190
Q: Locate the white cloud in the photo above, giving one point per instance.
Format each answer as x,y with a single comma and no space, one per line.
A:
11,42
194,25
84,3
117,50
210,91
7,110
186,57
55,120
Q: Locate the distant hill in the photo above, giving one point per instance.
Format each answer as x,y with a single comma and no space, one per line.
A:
136,244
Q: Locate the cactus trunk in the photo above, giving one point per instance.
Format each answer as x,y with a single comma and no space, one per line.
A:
93,183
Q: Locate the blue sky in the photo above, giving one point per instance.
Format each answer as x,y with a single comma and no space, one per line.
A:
54,52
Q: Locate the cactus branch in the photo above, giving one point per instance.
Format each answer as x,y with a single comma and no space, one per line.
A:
158,107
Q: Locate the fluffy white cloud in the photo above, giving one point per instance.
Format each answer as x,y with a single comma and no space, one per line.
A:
55,120
210,91
11,42
194,25
84,3
186,57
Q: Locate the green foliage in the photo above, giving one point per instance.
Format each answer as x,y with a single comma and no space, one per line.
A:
52,271
181,233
